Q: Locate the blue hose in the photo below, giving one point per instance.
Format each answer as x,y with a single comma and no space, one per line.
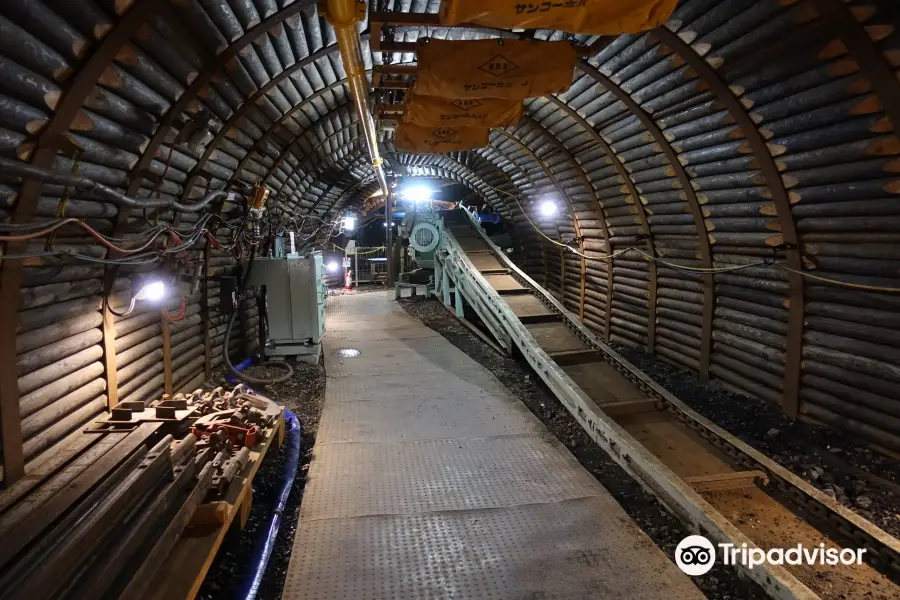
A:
239,367
267,542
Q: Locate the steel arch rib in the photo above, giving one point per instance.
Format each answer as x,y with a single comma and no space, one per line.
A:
690,197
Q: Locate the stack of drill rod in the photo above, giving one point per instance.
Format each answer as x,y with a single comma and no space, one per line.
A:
101,523
106,540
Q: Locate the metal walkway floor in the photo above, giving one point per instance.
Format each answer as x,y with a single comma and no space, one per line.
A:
430,480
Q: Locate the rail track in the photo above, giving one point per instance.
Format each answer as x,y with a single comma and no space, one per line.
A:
717,484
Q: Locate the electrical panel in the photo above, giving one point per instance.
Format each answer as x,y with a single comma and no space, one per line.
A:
295,303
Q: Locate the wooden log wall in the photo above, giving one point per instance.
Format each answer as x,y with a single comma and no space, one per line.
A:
116,79
746,130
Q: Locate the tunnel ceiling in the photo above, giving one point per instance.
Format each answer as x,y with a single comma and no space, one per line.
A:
743,133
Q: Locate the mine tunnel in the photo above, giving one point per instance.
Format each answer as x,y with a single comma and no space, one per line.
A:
449,299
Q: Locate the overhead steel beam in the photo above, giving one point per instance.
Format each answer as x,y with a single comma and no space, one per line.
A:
393,85
582,175
303,134
790,402
242,111
534,186
310,155
690,198
49,143
556,183
347,145
276,126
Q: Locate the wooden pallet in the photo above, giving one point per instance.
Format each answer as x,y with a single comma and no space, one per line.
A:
182,574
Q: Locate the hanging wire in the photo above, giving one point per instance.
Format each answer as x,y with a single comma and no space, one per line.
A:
860,286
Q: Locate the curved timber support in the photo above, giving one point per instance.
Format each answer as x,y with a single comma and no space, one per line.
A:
642,217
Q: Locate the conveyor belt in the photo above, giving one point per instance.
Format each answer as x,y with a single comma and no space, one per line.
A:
430,480
711,479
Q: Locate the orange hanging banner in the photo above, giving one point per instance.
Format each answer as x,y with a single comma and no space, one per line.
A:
432,111
597,17
510,69
414,138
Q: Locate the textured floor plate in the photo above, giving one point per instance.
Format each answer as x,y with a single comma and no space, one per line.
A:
423,416
384,388
412,356
430,480
575,550
353,479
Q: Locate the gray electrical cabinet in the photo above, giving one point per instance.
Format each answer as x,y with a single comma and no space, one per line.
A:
295,304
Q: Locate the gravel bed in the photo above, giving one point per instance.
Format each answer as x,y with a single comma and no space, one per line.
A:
663,528
304,395
836,462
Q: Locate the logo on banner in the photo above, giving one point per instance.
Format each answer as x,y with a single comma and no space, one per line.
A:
498,66
466,104
443,132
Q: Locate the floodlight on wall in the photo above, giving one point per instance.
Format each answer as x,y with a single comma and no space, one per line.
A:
548,208
332,267
151,288
349,223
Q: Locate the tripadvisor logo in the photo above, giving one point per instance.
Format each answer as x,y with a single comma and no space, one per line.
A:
696,555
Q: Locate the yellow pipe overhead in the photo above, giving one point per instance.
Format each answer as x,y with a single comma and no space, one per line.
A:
344,16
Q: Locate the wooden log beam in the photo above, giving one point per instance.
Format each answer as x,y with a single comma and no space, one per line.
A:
290,147
353,140
582,176
201,82
167,352
204,312
245,108
552,176
843,22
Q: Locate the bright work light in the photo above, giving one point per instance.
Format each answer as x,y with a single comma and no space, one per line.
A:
548,208
418,193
